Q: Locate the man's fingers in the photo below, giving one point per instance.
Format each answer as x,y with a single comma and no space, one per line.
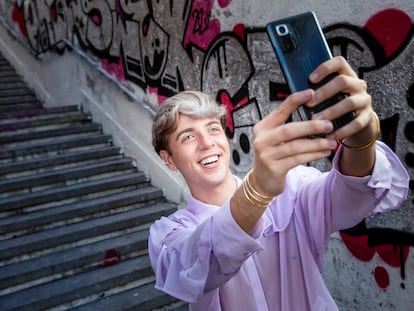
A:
363,118
337,64
306,145
281,113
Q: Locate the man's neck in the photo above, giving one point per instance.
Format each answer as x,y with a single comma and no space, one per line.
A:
217,195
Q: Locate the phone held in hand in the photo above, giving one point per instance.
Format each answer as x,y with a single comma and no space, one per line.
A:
301,47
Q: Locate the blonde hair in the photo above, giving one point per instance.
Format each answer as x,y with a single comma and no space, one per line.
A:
191,103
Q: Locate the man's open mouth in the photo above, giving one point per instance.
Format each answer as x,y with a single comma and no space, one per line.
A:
209,160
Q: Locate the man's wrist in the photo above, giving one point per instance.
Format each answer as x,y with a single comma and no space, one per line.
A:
370,141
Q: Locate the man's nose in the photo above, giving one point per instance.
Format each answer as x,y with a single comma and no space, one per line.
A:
206,141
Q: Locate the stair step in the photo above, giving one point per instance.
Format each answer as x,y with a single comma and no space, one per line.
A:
59,160
56,161
7,71
80,286
8,74
71,212
4,61
18,113
71,261
65,175
20,106
12,85
49,133
45,120
10,79
74,233
15,92
5,65
59,145
144,298
18,99
21,201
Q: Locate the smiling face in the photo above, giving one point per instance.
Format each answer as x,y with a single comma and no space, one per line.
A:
199,149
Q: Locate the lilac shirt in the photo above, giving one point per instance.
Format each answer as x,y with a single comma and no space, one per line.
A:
200,254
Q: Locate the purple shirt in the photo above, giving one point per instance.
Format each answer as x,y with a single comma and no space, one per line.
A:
200,254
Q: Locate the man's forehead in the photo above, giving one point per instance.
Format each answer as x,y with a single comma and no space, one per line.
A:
187,120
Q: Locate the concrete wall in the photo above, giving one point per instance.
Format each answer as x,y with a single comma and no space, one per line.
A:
121,59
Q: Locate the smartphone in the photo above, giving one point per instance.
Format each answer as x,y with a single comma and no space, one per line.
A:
300,48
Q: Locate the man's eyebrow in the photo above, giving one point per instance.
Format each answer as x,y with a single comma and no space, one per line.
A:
187,130
191,129
213,122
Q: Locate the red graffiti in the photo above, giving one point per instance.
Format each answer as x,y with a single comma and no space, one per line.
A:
116,69
200,30
154,90
111,258
382,277
18,17
358,246
239,30
393,255
226,100
224,3
390,28
95,17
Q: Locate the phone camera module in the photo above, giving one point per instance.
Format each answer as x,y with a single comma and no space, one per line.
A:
286,38
282,30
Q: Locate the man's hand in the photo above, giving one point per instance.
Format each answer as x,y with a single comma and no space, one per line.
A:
363,129
280,146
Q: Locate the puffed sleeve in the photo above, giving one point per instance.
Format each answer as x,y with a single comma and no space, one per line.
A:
384,190
332,201
192,256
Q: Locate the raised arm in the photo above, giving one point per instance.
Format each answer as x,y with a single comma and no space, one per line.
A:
280,146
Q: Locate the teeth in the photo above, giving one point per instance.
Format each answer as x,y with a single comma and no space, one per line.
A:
209,160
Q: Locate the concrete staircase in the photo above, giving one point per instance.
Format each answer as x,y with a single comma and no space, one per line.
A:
74,212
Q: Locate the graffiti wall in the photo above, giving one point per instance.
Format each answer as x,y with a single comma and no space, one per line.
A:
221,48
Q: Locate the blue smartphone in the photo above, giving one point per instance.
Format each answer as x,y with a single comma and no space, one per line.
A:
301,47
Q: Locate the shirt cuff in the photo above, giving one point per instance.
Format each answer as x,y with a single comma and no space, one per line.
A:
389,178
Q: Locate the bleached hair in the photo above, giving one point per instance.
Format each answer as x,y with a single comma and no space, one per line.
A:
191,103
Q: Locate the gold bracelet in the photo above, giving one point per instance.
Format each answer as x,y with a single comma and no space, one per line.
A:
253,191
251,199
371,141
253,196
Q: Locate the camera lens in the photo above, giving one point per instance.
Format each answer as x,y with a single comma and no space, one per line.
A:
282,30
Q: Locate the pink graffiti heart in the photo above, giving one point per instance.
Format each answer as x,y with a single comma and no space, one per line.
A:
391,28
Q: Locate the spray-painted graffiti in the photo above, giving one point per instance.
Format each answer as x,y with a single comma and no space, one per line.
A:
391,245
168,46
368,49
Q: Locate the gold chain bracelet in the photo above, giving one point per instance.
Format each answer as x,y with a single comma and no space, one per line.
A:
371,141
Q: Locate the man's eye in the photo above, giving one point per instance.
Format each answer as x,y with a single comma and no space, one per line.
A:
188,138
214,129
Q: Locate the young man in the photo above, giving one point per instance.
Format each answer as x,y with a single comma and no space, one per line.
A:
259,244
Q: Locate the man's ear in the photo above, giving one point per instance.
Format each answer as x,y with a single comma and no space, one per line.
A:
168,160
